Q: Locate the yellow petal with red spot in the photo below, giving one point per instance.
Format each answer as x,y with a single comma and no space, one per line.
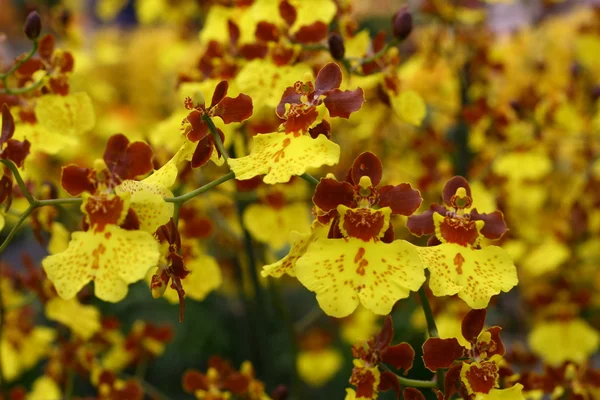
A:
113,259
347,272
147,200
559,341
266,223
475,275
281,156
299,244
85,325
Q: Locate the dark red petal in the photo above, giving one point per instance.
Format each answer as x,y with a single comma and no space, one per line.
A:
202,153
367,164
423,224
472,324
402,199
389,235
16,151
253,51
76,180
6,185
413,394
494,227
312,33
329,193
46,47
289,97
385,335
234,33
452,185
452,380
267,32
496,346
323,128
29,67
235,109
287,12
237,383
127,160
194,380
328,78
199,127
389,381
219,93
441,353
401,356
8,125
343,103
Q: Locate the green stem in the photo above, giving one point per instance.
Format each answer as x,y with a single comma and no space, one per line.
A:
309,178
380,53
431,327
416,383
190,195
17,175
58,202
15,228
23,90
21,61
216,136
69,384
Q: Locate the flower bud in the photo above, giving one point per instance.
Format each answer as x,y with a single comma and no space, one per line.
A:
402,24
336,46
33,25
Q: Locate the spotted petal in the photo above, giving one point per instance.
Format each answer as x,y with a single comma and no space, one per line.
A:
346,272
475,275
282,156
112,258
148,204
299,244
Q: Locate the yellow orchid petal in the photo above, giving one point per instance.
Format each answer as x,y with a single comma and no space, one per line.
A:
36,346
299,244
317,367
476,275
113,259
306,14
281,156
45,388
147,200
59,239
266,223
347,272
70,115
521,166
264,81
85,325
546,257
409,106
512,393
559,341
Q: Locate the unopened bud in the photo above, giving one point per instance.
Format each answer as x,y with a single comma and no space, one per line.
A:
336,46
33,25
402,24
